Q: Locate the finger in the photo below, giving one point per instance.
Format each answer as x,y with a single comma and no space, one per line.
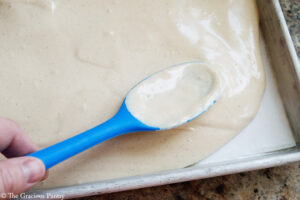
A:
19,174
13,142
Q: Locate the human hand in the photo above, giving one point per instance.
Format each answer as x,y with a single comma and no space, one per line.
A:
17,174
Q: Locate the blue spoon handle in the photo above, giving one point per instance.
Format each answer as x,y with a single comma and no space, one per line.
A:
123,122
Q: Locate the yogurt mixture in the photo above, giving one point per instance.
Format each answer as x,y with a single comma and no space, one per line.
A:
65,66
175,95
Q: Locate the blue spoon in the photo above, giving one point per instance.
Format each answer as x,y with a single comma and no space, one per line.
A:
121,123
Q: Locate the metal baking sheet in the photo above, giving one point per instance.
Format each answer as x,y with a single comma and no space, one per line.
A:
280,104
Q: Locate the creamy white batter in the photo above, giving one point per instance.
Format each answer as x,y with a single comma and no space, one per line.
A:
65,66
174,95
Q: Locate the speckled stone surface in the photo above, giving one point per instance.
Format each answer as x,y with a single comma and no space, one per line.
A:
291,11
280,183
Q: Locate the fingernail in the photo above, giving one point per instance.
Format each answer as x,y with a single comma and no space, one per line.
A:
33,169
46,175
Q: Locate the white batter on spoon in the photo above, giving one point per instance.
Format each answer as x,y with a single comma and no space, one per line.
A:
175,95
65,66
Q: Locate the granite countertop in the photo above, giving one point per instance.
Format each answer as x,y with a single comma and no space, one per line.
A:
275,183
291,10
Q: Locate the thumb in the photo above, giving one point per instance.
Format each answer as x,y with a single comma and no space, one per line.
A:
19,174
